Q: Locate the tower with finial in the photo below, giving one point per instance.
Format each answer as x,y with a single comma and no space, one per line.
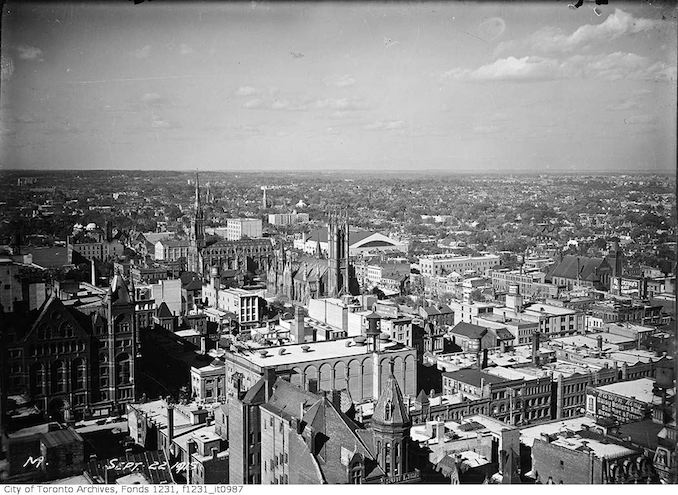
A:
391,425
338,254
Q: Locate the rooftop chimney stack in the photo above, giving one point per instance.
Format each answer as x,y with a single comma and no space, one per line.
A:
535,347
298,326
170,428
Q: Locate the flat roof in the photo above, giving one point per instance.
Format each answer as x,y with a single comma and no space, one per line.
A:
584,341
189,332
473,376
600,449
509,373
530,433
317,351
640,389
535,309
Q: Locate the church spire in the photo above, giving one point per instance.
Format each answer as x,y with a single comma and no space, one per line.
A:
197,191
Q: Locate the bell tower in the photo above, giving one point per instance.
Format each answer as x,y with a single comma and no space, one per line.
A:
338,254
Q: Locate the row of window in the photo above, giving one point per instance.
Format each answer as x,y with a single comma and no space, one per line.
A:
54,349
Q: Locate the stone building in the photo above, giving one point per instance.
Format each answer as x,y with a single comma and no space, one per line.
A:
71,364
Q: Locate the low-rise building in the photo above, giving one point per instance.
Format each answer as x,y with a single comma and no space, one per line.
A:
208,384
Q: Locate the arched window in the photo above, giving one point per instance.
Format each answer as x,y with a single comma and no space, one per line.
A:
123,368
37,379
79,372
59,376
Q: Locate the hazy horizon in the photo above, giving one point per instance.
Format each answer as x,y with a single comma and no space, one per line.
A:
453,88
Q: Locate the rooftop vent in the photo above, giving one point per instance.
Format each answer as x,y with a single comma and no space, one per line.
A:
305,348
263,353
281,351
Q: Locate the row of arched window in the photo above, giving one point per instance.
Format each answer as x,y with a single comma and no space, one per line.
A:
60,377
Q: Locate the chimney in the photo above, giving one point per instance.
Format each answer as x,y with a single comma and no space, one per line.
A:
93,273
269,379
440,432
599,341
298,326
535,347
484,360
215,452
170,427
203,344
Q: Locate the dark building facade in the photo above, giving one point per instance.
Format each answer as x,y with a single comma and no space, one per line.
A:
73,365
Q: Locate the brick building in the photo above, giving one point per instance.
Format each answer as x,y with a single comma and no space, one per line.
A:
67,361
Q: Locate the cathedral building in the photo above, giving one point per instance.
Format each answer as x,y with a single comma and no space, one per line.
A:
70,364
308,277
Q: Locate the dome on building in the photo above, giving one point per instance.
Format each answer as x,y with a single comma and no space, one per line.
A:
91,226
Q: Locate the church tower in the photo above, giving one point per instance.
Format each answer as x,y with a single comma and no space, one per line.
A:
118,384
391,425
197,236
338,274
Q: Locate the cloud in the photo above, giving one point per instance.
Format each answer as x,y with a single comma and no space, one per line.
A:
611,67
385,125
343,104
284,104
154,100
623,105
340,81
511,68
255,103
31,53
550,39
246,91
184,49
143,52
159,123
639,119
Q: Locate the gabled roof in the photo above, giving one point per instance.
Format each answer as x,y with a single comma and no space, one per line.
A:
390,408
164,311
503,334
469,330
54,305
585,266
256,394
430,311
119,290
286,399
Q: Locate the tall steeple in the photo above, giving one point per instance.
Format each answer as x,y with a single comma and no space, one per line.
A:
197,236
197,192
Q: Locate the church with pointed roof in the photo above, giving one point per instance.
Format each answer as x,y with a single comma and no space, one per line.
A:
306,277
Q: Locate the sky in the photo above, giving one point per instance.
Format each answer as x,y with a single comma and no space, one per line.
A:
456,86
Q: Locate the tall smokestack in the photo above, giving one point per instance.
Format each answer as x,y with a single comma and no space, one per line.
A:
535,347
346,254
93,272
170,428
298,326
